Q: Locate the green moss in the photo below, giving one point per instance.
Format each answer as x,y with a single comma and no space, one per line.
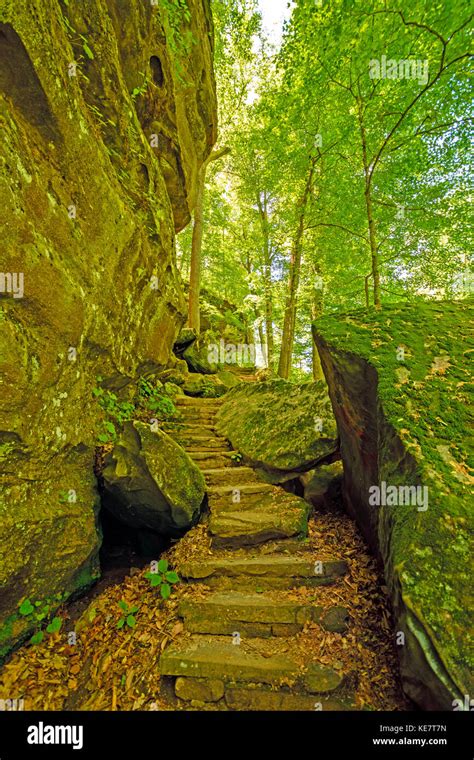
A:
421,353
276,424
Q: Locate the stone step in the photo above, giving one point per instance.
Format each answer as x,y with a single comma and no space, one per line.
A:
208,460
267,571
197,412
187,429
247,515
202,692
208,403
201,442
242,699
221,659
227,492
197,658
256,615
230,476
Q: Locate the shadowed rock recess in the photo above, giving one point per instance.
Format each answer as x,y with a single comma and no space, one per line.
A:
401,393
106,116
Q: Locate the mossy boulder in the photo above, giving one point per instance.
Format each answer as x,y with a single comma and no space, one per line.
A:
279,427
207,386
185,339
229,379
107,115
197,359
50,540
149,482
402,395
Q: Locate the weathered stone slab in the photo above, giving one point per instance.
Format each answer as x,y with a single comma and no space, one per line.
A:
224,661
242,699
258,516
274,571
201,689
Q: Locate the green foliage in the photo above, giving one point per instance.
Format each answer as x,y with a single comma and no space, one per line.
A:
162,578
26,608
128,617
309,102
156,399
55,625
141,89
36,612
179,38
117,411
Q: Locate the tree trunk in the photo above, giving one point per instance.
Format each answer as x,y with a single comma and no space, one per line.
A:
288,335
267,279
263,346
316,311
196,245
374,254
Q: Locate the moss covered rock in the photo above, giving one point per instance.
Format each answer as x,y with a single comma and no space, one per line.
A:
207,386
49,540
401,393
279,427
197,359
150,482
107,114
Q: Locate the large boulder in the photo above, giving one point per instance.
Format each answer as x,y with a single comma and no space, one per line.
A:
197,359
280,427
149,482
98,170
185,339
49,541
206,386
399,384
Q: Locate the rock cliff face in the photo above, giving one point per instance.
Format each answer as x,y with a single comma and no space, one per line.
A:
107,111
399,386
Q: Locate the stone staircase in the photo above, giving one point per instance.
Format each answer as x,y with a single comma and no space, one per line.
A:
238,649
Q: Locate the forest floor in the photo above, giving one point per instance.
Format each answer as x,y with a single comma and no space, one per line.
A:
108,668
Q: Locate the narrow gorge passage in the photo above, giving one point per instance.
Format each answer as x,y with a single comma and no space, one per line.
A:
270,622
236,310
278,609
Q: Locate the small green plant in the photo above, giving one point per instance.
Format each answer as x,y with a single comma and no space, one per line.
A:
163,578
155,399
236,456
55,625
141,89
36,612
128,616
118,411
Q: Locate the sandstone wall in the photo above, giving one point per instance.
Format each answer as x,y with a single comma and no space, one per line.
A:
107,110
